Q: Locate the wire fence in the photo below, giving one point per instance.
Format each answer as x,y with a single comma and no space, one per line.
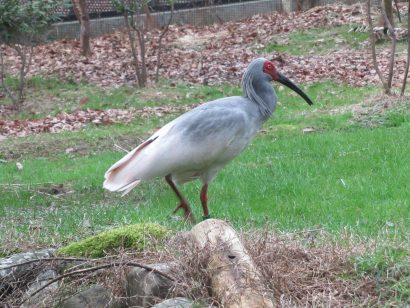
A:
105,8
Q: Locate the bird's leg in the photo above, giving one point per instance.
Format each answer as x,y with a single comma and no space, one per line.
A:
183,203
204,201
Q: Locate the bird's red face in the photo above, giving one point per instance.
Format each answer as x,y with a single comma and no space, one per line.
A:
270,69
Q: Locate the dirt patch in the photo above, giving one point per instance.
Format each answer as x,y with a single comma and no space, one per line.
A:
372,112
14,149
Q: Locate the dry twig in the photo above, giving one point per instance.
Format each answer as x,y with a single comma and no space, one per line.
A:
164,31
96,268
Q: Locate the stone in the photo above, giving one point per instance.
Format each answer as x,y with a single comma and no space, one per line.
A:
177,302
44,297
16,272
10,275
95,297
143,286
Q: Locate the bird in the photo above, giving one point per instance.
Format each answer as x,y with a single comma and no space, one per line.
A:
198,143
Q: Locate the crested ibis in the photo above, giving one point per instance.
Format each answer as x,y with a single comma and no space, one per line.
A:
197,144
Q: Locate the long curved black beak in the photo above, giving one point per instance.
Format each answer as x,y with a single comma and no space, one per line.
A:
286,82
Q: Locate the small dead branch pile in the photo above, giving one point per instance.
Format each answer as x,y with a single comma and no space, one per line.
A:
313,277
297,274
298,270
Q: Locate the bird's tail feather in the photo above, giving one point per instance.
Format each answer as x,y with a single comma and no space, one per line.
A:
118,177
129,187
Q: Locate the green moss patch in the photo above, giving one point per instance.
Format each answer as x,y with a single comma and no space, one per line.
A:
137,236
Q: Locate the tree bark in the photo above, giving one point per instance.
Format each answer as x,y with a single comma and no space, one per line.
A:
403,87
235,280
81,12
164,31
388,8
393,48
373,47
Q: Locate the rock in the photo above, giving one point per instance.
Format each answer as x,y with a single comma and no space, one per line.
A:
95,297
10,278
144,286
44,297
15,272
180,302
21,258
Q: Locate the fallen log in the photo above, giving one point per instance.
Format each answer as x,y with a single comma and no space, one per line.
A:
235,280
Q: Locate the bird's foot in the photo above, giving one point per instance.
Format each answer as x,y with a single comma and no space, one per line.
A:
205,217
188,216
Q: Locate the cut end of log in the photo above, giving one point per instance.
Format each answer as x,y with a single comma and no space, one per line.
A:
235,280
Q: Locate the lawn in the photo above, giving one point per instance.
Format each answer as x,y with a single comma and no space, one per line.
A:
319,167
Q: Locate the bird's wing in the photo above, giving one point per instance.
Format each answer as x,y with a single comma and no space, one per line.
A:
209,134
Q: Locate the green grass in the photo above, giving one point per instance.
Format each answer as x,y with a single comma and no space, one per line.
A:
316,41
390,264
309,180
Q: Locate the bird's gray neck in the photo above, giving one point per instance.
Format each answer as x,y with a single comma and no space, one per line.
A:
261,93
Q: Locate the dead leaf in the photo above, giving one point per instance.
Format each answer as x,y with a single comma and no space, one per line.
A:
308,130
19,166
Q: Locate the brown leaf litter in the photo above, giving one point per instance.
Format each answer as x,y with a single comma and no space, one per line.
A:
78,119
211,54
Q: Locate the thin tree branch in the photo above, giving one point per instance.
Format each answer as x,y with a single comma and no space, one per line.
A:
160,41
373,47
141,40
397,10
95,268
23,58
393,48
2,79
130,27
403,87
48,260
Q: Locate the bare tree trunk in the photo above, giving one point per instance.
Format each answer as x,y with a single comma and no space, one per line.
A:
81,11
134,49
403,87
373,47
25,53
387,7
143,69
164,31
3,79
397,10
22,54
393,48
139,28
